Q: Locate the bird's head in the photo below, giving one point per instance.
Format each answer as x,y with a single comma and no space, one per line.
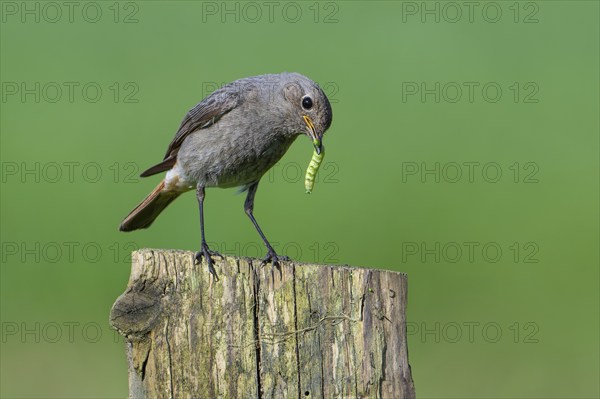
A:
307,107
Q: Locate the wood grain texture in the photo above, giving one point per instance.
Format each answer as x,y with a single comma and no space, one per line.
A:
309,331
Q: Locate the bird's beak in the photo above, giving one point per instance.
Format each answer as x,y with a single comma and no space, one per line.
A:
312,132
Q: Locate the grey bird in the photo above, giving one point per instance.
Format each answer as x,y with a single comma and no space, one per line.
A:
230,139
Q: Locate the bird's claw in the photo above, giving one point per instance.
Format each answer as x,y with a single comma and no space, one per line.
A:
274,259
208,255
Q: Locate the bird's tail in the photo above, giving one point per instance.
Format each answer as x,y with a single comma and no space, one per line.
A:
144,214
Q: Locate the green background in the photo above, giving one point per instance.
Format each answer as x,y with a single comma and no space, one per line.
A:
533,311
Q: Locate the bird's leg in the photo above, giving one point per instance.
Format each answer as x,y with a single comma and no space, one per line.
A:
249,207
204,250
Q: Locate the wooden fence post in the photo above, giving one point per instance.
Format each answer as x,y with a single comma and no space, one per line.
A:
311,331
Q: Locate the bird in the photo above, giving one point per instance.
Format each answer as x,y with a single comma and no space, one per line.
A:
231,139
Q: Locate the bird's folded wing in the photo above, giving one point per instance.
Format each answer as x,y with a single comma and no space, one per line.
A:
203,115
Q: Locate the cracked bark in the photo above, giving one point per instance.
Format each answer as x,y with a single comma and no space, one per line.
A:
313,331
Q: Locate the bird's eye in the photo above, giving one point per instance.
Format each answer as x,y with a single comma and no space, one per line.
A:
307,102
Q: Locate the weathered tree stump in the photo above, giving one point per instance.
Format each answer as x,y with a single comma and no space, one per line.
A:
311,331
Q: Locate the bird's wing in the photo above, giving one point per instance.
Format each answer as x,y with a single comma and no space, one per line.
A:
203,115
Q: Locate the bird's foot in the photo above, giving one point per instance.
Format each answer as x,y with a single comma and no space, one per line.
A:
208,255
274,259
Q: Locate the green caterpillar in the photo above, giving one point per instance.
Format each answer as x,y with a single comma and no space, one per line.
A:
313,168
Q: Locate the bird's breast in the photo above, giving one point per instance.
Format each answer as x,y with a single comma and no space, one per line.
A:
232,157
